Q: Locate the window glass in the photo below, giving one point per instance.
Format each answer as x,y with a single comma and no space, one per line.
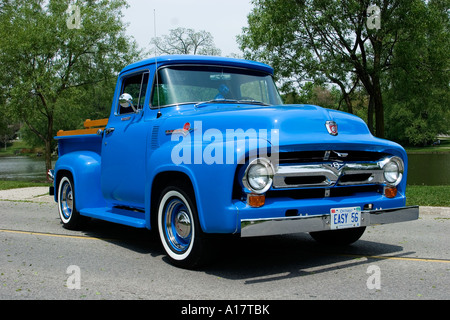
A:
196,84
136,86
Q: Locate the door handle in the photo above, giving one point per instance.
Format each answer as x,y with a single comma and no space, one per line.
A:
109,130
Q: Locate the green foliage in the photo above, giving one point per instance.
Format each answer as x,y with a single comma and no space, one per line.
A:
320,95
418,97
51,76
322,42
400,69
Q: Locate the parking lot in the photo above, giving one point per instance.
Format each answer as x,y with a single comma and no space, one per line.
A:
41,260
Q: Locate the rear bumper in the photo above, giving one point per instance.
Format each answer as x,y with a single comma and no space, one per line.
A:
51,178
277,226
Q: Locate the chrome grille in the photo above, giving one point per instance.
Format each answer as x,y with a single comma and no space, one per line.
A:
335,169
329,155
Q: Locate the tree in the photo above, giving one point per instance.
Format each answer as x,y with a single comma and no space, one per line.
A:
330,41
417,95
51,65
186,41
7,130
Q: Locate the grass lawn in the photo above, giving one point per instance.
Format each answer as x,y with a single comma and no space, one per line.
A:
443,147
5,185
434,196
13,149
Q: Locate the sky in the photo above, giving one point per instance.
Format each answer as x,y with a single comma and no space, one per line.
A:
224,19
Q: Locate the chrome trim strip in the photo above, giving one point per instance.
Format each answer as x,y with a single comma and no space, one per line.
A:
330,174
287,225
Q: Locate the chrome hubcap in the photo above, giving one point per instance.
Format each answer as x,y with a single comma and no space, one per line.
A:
66,200
183,224
178,225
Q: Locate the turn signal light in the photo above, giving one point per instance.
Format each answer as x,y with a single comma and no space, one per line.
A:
390,192
256,200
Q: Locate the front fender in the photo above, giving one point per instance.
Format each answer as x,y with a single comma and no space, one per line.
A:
212,182
85,167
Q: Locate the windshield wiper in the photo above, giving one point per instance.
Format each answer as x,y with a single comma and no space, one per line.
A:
253,102
201,104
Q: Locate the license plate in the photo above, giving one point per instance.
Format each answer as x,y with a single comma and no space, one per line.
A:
342,218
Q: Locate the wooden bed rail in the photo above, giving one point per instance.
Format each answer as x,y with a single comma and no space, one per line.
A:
90,127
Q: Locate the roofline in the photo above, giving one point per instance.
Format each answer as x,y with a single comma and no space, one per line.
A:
198,59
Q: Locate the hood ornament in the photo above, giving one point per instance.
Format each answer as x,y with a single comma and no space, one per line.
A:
332,128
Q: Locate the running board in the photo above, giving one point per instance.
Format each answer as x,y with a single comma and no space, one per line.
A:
130,218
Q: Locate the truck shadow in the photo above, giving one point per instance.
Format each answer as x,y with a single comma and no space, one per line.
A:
139,240
256,260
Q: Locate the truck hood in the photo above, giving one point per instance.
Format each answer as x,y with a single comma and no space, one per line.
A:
287,126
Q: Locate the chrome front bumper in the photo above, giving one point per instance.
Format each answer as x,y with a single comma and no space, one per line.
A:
277,226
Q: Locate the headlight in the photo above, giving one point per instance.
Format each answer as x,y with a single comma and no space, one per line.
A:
393,171
258,176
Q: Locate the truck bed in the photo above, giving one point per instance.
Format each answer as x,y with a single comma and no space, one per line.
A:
83,139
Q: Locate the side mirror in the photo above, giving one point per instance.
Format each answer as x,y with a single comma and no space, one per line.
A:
126,100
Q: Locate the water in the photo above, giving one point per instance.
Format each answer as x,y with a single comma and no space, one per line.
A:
22,169
426,169
429,169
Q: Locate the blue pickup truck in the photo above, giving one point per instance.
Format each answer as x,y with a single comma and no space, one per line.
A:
197,146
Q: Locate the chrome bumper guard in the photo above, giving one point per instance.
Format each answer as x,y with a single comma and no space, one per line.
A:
278,226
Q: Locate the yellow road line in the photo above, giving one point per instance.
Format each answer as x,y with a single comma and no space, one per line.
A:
50,234
336,254
395,258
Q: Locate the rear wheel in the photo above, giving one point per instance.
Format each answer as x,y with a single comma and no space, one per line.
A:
179,228
70,217
338,237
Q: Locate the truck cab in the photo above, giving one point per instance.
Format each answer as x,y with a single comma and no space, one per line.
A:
196,146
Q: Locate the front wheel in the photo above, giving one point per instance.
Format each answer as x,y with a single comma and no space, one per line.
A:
179,228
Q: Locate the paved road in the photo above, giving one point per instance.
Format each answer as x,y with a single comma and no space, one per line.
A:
41,260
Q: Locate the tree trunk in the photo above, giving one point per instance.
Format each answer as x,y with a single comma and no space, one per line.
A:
370,115
48,156
379,112
376,92
348,102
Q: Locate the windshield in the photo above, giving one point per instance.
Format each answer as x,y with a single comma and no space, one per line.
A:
203,84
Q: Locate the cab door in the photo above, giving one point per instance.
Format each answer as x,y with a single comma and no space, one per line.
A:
124,144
